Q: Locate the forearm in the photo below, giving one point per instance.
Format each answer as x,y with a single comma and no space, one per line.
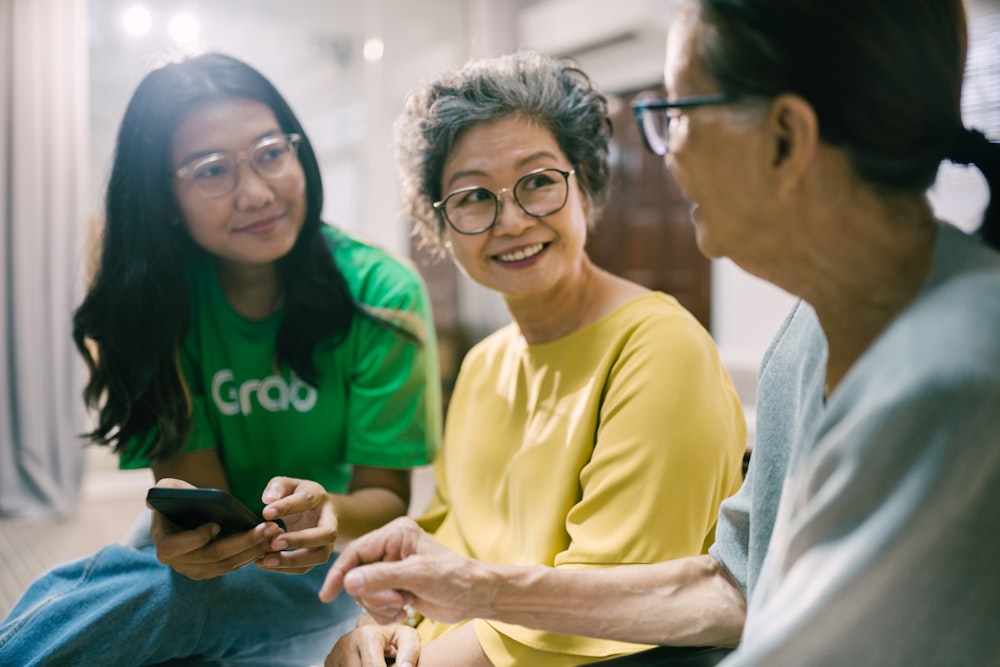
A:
683,602
363,510
456,648
201,468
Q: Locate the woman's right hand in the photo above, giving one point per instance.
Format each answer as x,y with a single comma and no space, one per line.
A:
196,554
369,646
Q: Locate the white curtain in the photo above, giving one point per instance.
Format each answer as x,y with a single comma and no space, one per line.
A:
44,184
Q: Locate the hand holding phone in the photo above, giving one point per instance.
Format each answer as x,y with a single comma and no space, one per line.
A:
189,508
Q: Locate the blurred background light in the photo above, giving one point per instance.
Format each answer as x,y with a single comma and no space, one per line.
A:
137,20
374,48
184,28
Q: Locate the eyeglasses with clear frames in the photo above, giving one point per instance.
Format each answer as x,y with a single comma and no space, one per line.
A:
652,114
217,174
538,193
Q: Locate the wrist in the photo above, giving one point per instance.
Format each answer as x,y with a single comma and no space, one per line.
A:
506,590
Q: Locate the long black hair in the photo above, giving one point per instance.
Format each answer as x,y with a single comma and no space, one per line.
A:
884,76
136,312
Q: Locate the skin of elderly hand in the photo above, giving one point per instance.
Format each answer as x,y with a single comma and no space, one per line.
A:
370,645
309,518
401,564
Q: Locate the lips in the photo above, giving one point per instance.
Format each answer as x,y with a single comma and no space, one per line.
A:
521,254
261,226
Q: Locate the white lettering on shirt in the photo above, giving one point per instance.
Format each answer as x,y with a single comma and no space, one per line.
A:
272,393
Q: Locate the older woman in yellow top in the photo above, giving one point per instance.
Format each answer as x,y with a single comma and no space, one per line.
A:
598,428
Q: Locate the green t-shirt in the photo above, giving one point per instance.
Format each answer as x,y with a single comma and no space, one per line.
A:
377,402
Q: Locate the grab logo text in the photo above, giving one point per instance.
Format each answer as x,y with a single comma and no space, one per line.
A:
273,393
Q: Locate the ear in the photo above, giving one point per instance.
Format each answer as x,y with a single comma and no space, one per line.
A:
795,136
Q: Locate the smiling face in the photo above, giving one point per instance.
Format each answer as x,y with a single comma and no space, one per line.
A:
520,256
258,222
714,153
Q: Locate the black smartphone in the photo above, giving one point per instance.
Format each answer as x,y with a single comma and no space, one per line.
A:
190,508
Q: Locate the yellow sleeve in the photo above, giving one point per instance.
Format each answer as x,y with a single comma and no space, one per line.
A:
669,450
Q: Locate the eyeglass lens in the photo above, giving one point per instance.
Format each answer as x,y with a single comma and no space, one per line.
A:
217,174
538,194
654,124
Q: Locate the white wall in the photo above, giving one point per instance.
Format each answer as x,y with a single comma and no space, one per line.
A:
312,51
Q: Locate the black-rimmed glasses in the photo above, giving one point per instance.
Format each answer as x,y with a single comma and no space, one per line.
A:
652,114
217,174
538,193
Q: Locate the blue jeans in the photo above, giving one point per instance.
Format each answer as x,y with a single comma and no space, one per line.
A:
121,606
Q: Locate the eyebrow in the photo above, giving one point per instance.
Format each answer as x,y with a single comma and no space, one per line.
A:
520,163
197,155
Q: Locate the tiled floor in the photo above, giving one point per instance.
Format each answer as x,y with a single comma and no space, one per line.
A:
110,502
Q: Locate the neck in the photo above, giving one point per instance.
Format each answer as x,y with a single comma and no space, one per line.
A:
861,283
252,290
568,307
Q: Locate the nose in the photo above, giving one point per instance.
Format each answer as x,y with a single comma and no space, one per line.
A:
511,218
252,190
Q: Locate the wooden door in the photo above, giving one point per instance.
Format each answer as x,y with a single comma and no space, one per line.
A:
645,233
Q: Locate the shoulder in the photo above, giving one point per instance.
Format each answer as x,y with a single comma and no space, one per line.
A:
657,321
936,363
952,327
502,344
375,276
799,342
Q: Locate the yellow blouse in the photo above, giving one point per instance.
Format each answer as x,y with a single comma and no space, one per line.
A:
610,446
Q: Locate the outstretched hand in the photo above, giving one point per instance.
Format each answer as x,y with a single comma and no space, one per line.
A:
400,564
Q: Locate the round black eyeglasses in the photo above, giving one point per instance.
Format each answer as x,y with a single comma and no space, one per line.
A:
475,209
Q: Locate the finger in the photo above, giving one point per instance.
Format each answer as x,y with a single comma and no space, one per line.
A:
256,539
310,538
348,559
300,558
386,615
375,647
173,483
278,488
332,585
407,647
387,606
244,558
377,545
387,602
375,578
390,542
235,550
303,498
171,542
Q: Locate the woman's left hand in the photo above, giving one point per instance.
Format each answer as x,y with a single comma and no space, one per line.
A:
310,519
370,645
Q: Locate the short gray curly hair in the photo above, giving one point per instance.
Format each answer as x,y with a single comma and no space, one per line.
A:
552,92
